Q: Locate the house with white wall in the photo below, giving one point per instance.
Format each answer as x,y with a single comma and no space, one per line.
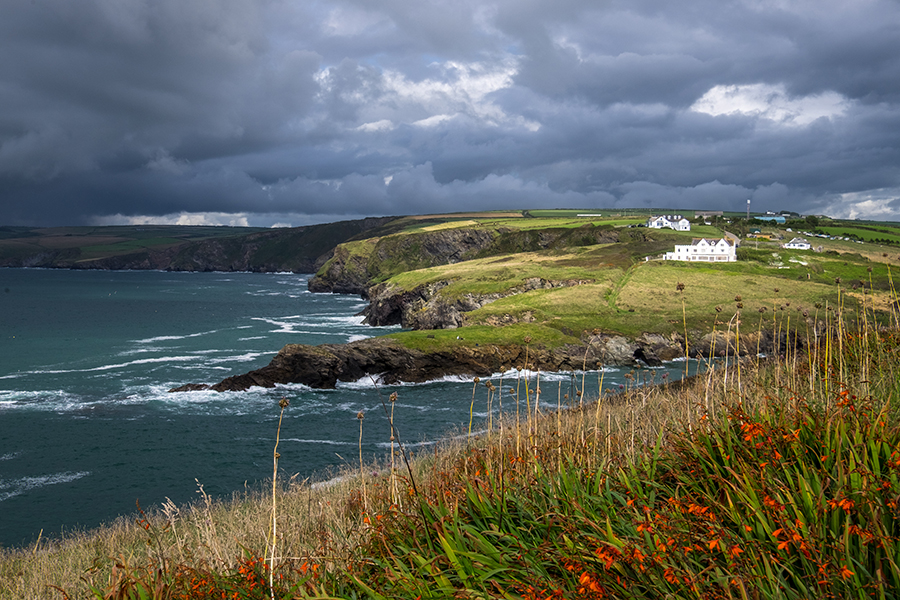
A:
798,244
705,250
676,222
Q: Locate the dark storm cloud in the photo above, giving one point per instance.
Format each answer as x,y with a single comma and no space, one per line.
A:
274,111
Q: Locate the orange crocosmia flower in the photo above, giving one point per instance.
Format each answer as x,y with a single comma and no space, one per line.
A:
713,544
846,573
735,550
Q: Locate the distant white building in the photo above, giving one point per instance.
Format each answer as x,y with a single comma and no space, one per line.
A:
705,250
676,222
798,244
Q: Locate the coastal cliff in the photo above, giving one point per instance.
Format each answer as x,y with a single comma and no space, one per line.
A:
424,307
182,248
356,267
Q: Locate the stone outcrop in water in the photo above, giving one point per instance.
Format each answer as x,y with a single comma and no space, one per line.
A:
391,362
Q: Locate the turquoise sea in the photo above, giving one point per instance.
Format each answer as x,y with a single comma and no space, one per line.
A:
87,426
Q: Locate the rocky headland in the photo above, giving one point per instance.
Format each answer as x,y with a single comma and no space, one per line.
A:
364,267
390,362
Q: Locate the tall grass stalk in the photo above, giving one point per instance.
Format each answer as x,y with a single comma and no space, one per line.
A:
271,548
360,416
395,491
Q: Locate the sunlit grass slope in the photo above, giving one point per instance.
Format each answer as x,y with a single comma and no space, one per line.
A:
771,478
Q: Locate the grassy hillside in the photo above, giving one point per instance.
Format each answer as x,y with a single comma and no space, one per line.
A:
767,480
620,292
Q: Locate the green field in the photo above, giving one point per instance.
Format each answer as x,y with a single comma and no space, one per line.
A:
864,233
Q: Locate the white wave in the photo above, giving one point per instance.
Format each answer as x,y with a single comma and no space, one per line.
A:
141,361
246,357
10,488
356,338
168,338
10,455
144,350
250,339
40,399
351,320
322,442
422,444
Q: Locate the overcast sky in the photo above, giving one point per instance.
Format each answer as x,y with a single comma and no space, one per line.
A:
289,112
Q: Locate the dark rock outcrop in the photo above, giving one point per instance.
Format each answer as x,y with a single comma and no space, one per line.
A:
323,366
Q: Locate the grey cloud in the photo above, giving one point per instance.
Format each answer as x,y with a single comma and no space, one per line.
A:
302,110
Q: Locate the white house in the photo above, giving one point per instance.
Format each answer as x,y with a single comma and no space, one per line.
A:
676,222
705,250
798,244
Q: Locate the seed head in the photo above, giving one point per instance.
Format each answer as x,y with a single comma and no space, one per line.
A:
360,415
477,379
738,298
284,403
393,396
528,337
679,286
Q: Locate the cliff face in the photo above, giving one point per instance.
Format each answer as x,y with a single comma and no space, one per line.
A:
426,308
353,268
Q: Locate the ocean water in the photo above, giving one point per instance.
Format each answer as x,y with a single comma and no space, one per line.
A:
88,428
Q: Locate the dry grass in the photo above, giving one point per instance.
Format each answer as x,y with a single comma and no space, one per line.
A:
315,521
546,428
323,522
